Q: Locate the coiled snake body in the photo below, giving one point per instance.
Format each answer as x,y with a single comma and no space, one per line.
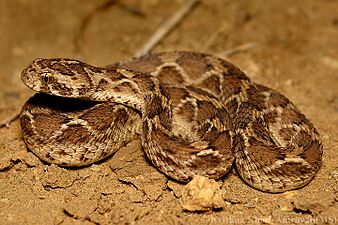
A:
196,114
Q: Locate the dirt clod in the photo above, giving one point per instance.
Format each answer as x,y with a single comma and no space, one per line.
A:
202,194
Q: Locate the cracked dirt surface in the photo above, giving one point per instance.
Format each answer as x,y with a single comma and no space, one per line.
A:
296,53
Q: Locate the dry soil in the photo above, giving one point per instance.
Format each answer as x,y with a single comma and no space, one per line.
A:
296,52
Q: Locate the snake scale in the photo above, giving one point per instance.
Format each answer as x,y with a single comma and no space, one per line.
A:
196,114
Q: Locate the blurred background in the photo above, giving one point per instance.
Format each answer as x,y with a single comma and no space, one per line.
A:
293,37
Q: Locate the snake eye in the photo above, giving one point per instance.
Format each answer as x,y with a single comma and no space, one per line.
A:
47,77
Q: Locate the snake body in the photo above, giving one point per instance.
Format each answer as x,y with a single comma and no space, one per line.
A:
197,114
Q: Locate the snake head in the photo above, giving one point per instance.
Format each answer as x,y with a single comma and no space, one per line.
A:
60,77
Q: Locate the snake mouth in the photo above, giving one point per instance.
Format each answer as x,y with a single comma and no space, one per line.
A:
57,103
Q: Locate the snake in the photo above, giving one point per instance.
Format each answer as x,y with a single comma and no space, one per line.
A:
195,113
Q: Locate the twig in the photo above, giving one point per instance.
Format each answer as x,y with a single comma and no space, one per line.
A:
166,27
12,114
78,38
79,35
240,48
214,36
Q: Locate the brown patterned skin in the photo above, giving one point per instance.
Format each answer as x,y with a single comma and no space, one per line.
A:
196,114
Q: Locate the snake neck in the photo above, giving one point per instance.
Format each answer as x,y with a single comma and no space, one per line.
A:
140,91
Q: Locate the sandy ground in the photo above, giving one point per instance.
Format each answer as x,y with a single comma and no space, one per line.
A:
296,53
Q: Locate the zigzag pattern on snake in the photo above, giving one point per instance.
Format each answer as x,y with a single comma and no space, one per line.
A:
196,114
